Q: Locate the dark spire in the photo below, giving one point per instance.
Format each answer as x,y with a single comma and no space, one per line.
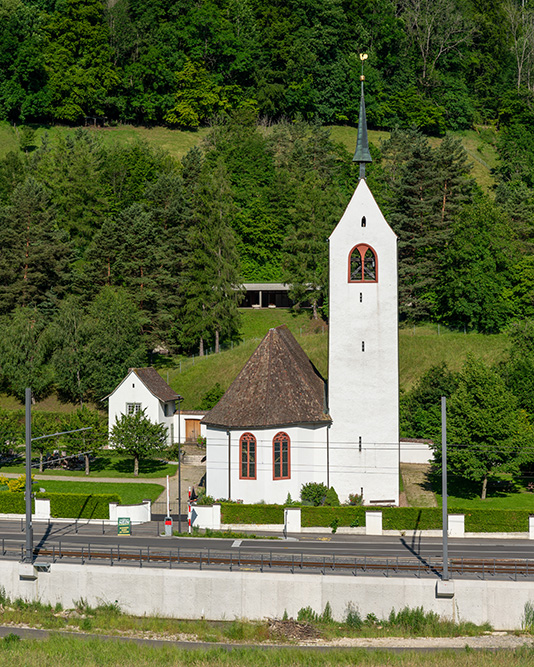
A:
362,154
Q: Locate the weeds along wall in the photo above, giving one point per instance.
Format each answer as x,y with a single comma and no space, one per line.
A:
393,518
63,505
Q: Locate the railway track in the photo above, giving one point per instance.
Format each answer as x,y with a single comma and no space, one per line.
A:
272,561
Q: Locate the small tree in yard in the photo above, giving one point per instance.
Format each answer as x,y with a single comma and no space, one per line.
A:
138,436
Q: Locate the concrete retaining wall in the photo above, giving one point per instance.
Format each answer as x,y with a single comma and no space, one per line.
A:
255,595
139,513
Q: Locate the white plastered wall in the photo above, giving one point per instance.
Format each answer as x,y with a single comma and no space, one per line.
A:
308,463
364,384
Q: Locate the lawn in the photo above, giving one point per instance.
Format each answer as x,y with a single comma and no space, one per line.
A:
504,493
130,494
108,464
419,349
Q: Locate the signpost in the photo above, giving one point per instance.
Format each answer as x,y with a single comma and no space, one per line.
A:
124,526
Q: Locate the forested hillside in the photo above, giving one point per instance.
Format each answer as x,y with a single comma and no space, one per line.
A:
436,64
112,252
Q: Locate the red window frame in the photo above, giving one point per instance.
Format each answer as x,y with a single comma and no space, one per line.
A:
248,452
362,249
283,443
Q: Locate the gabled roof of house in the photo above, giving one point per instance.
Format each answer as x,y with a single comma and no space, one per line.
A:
278,386
156,384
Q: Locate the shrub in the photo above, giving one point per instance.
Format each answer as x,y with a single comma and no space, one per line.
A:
355,499
353,618
334,525
528,617
203,498
314,493
331,498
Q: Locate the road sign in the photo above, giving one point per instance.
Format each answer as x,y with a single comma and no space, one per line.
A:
123,526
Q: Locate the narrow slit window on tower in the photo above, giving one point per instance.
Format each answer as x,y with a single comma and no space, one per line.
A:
363,264
360,443
361,297
364,221
363,346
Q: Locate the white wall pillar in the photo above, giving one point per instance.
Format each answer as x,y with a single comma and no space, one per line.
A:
531,527
292,520
456,525
373,523
42,508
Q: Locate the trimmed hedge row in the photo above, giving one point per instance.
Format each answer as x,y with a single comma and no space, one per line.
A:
63,505
12,503
234,513
80,505
393,518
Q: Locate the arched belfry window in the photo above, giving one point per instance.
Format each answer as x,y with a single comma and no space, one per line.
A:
247,452
281,456
363,265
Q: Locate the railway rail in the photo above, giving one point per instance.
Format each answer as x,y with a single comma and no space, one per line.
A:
240,560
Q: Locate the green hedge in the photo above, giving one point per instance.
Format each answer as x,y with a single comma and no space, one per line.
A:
393,518
12,503
80,505
237,513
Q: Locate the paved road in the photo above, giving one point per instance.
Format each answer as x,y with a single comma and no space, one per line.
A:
340,545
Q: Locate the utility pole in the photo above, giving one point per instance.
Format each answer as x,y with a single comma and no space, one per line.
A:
180,399
445,518
28,428
28,556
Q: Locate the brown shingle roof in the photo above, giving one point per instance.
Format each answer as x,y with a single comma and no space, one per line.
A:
156,384
278,386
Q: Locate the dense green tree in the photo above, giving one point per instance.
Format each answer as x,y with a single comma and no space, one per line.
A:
114,341
79,60
486,431
474,271
518,370
211,275
137,436
68,336
422,404
34,256
24,352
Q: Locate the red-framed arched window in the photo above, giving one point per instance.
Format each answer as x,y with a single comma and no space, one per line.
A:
281,456
247,453
363,264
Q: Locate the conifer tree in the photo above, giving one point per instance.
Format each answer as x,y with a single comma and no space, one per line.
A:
211,278
34,255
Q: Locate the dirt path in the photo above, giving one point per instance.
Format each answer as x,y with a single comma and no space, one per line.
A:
416,486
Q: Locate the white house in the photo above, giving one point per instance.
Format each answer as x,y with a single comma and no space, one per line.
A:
277,427
144,389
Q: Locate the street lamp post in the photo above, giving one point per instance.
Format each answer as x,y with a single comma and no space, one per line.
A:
180,399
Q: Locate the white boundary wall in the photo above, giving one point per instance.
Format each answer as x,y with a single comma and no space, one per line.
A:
254,595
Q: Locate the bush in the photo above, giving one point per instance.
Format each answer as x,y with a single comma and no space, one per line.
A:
237,513
355,499
314,493
12,503
331,498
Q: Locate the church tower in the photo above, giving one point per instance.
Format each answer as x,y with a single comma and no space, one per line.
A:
363,366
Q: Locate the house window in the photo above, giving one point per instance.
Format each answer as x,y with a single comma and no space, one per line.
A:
362,264
281,457
133,408
247,447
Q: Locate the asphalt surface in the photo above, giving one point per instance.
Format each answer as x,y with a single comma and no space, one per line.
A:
321,545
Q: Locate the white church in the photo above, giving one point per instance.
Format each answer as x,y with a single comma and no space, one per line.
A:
280,424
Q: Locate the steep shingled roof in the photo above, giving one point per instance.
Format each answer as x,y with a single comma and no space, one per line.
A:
156,384
278,386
